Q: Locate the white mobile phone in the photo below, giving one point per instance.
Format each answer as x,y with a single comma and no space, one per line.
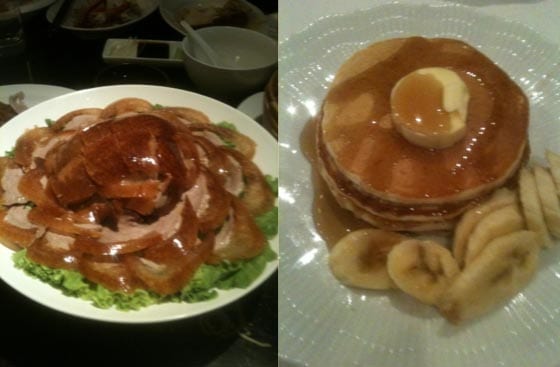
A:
155,52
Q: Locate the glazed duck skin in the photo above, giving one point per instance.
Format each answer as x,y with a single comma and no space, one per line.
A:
133,197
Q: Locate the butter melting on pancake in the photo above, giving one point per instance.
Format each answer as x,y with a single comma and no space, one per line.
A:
429,107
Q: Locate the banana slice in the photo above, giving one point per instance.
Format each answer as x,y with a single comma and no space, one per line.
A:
359,259
532,208
549,199
554,163
463,230
500,271
498,223
423,269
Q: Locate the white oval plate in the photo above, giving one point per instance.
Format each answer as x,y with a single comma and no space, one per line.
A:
266,158
322,323
34,93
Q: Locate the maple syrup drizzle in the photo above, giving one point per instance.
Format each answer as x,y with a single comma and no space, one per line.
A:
331,221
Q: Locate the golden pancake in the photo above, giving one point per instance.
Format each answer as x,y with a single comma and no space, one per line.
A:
388,181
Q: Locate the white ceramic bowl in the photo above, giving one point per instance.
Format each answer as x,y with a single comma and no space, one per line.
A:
247,60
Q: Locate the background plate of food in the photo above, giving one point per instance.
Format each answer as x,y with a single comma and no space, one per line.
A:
30,6
236,13
322,321
65,290
97,18
17,97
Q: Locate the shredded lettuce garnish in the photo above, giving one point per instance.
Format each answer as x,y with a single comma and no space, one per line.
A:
272,183
204,285
10,153
227,125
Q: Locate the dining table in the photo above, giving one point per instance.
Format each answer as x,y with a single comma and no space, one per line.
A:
241,333
321,321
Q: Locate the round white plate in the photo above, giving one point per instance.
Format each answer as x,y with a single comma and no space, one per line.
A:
252,106
321,322
266,158
34,93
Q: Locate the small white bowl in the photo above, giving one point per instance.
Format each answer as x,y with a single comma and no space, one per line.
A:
247,60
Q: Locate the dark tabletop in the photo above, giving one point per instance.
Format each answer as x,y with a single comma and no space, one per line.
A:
244,333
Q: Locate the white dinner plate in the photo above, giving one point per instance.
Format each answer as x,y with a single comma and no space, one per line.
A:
34,93
266,158
321,322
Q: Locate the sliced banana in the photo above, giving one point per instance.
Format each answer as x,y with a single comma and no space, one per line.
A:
463,230
549,199
554,163
359,259
498,223
499,272
423,269
532,208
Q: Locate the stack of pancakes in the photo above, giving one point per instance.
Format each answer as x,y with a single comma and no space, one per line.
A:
391,183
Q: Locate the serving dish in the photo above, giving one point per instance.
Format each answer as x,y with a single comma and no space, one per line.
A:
322,322
266,158
146,7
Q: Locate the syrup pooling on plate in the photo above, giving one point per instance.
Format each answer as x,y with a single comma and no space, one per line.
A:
332,221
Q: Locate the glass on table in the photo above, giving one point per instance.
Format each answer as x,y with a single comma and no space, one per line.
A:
12,41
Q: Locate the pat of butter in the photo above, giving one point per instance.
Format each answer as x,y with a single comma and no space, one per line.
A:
429,107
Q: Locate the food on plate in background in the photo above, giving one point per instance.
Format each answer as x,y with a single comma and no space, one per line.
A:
136,197
6,113
106,13
210,13
430,137
270,104
16,104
